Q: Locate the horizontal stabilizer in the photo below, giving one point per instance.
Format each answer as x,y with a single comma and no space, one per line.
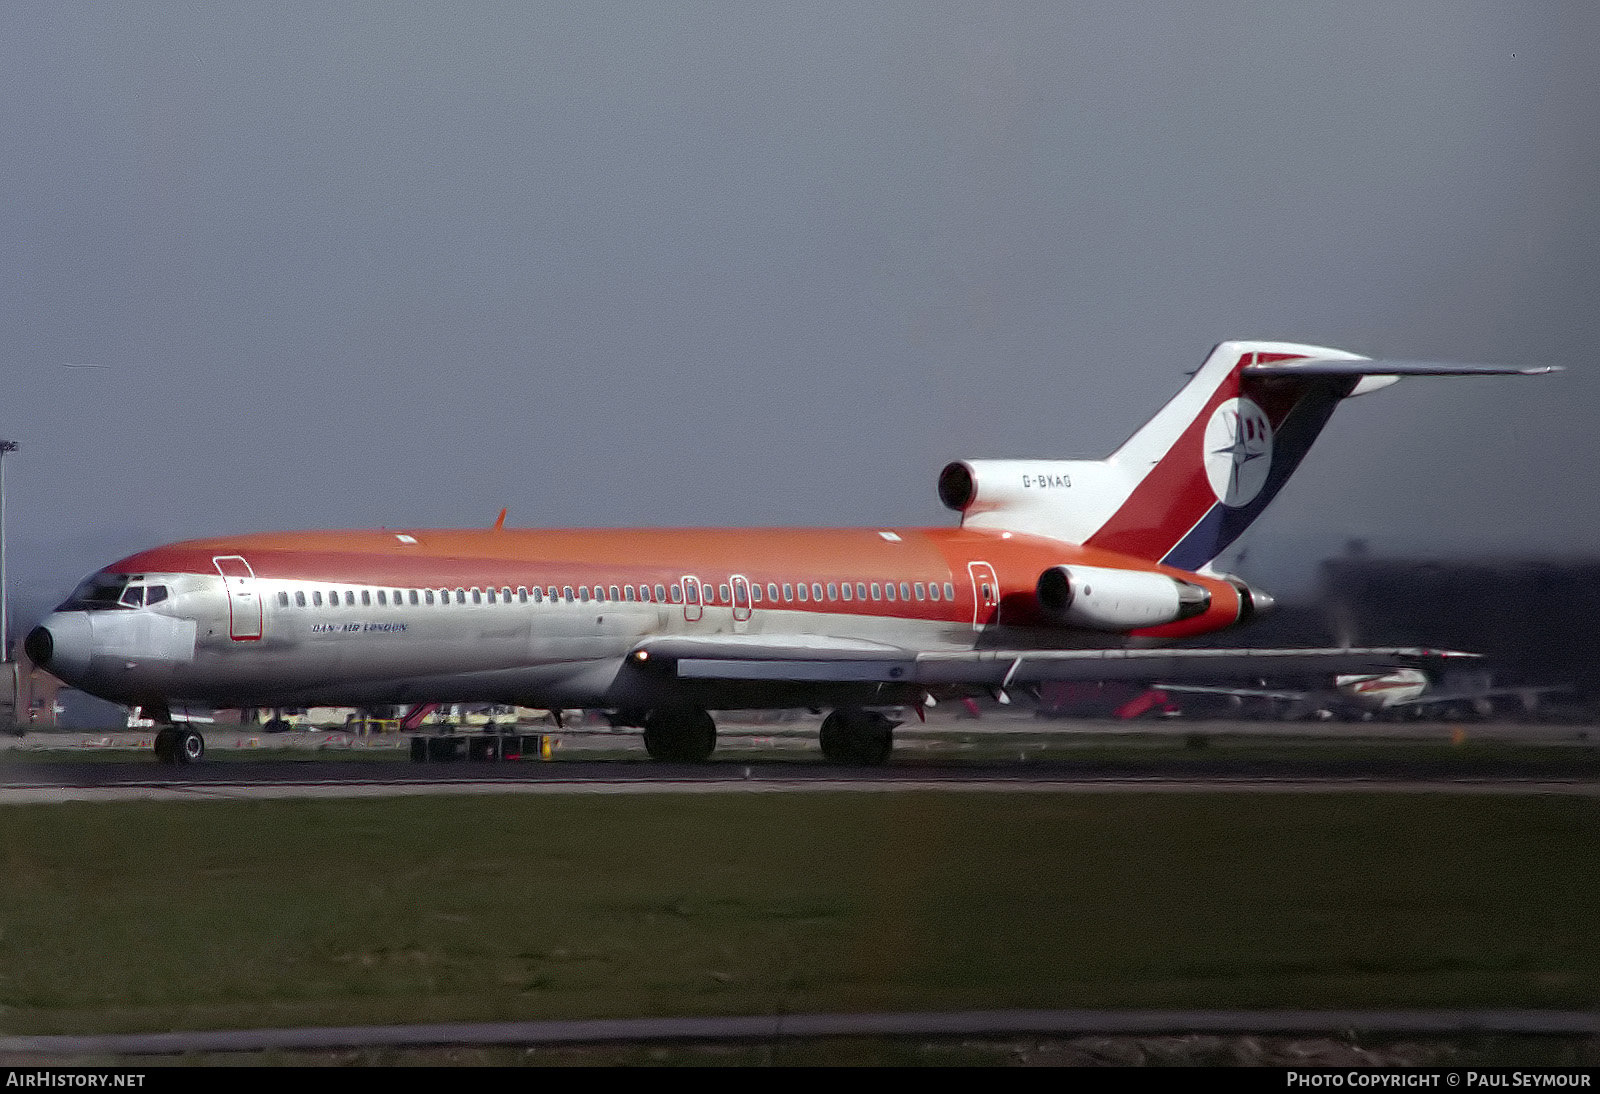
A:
1326,366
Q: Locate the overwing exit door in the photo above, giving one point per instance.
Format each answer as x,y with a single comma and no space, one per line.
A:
244,600
692,609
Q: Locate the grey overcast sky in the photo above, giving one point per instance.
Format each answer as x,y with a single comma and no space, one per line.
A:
359,264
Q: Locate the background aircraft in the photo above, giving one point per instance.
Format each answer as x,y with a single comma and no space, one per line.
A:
1400,693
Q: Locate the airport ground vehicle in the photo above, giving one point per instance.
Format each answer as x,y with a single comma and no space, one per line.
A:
1059,570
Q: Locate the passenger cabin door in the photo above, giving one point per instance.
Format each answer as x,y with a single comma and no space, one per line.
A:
244,601
692,609
985,595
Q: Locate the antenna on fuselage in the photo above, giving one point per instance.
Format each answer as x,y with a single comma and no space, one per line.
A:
500,521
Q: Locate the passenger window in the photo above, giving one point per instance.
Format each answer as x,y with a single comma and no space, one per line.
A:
615,594
921,590
905,590
677,594
350,598
522,594
566,591
366,598
933,590
283,600
492,599
316,598
583,593
845,589
414,597
740,600
772,592
427,596
661,594
888,590
722,594
600,593
691,592
382,602
949,591
709,592
477,597
627,592
299,598
461,596
816,591
505,594
804,593
755,594
861,590
788,591
877,591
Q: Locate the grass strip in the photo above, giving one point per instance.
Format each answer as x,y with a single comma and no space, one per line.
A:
146,916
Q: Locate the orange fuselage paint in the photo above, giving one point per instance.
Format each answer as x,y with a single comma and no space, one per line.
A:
499,558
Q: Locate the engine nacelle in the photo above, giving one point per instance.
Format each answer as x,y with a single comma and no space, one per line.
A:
1117,600
1062,499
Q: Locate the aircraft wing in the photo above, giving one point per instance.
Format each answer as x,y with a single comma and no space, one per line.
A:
1467,694
822,659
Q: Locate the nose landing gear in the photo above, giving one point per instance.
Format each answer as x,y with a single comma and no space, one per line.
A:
179,745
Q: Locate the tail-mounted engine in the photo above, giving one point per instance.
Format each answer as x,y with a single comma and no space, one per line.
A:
1117,600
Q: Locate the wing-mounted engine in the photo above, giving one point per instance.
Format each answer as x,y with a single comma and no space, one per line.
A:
1117,600
1063,499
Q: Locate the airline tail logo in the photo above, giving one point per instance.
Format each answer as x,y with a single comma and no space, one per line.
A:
1238,451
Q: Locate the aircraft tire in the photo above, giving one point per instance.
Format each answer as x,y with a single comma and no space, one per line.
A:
857,737
165,745
189,748
680,736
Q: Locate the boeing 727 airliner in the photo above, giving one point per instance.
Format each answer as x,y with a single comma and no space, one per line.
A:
1059,570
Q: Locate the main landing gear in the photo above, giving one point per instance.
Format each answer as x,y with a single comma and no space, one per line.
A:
681,736
179,745
857,737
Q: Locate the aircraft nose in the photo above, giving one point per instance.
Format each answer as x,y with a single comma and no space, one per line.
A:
61,644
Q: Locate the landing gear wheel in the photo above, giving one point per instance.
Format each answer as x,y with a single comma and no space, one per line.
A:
166,745
191,747
857,737
680,736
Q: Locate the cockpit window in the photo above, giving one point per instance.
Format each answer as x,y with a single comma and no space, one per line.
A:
101,592
132,596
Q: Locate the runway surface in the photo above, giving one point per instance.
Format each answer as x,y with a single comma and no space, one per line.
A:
51,781
773,1027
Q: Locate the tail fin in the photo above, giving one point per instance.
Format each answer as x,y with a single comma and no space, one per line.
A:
1193,478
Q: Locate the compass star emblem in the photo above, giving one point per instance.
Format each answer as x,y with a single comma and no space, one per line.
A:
1238,451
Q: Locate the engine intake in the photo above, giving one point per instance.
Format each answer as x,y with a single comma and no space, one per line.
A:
1117,600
